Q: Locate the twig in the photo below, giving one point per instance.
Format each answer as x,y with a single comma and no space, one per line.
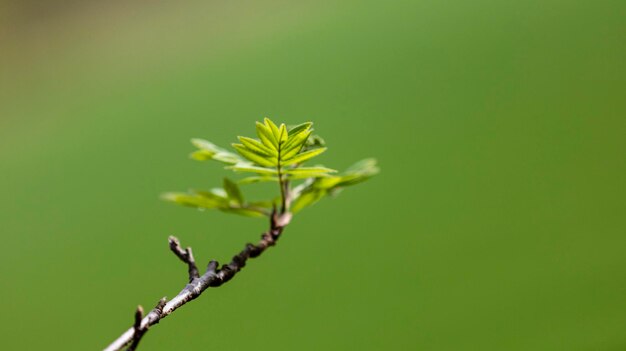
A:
139,332
139,328
185,256
213,277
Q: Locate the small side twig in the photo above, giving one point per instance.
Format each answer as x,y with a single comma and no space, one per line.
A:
140,328
186,256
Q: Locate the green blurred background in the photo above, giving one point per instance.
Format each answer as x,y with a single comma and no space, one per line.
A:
497,223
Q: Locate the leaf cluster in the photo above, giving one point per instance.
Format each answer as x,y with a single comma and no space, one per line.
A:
276,155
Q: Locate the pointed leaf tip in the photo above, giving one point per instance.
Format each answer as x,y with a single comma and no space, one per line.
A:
282,134
304,156
266,136
259,159
257,146
247,167
300,128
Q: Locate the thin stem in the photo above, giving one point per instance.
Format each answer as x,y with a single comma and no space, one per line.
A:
283,192
282,183
287,192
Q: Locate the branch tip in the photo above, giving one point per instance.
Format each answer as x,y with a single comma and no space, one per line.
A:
139,331
212,266
173,241
185,255
138,318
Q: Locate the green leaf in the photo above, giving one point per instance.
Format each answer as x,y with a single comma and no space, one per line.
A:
308,172
217,194
205,145
272,127
327,182
359,172
366,165
257,146
191,200
294,144
259,159
258,179
302,170
209,151
202,155
313,191
306,199
246,167
300,128
266,136
242,211
227,157
233,191
301,157
283,135
306,176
